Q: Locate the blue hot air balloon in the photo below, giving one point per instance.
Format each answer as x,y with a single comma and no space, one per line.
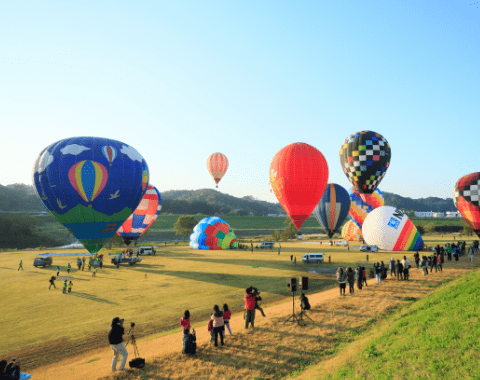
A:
88,191
333,208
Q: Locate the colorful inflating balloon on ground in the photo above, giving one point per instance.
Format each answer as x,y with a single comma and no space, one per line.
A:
333,208
351,232
217,165
365,157
90,185
213,233
298,175
466,196
143,217
359,209
391,230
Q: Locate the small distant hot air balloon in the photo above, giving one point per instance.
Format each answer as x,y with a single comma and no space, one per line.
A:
298,175
143,217
466,196
72,180
217,165
365,157
333,208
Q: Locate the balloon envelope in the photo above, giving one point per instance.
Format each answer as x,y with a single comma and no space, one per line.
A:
466,196
365,158
298,175
333,208
391,230
90,185
351,232
359,209
213,233
143,217
217,165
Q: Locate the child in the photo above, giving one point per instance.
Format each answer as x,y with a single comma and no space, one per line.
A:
83,265
94,271
65,287
185,321
70,285
227,314
210,329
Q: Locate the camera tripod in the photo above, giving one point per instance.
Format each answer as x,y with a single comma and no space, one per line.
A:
293,317
134,345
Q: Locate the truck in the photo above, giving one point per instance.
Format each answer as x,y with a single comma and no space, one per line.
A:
121,259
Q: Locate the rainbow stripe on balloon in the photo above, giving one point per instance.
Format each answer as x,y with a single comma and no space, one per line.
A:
409,238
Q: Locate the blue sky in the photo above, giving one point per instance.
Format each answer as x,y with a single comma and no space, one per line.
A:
179,80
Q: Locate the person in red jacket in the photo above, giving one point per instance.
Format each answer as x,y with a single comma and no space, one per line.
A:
249,307
185,321
227,314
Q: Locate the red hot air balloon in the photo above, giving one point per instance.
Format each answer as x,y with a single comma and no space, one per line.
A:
217,165
299,175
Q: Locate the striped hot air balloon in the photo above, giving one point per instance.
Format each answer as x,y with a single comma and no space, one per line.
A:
217,165
333,208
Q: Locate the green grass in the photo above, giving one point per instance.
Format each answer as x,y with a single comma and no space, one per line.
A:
437,337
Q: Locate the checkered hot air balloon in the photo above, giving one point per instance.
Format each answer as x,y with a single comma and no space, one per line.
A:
466,196
365,157
217,165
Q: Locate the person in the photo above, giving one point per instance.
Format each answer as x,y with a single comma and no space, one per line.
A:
278,250
189,342
65,287
399,270
70,286
83,265
423,265
359,277
68,268
342,279
295,260
101,262
406,265
115,338
364,276
256,293
218,324
58,270
185,321
384,270
392,267
249,308
304,303
20,266
12,370
433,263
79,264
52,282
416,256
291,258
94,271
439,264
471,251
90,265
367,258
251,247
350,280
227,314
455,252
378,272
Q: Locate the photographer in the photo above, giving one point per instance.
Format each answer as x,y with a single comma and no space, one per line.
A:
115,338
256,293
249,307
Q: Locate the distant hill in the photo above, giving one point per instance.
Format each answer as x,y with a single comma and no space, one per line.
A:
422,204
21,197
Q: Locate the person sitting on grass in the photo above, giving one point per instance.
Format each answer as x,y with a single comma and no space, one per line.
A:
189,342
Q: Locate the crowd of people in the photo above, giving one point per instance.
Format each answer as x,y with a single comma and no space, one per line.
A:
400,269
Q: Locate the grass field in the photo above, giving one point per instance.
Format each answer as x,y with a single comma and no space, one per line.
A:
154,294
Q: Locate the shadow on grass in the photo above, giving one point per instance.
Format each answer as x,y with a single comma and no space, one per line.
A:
92,298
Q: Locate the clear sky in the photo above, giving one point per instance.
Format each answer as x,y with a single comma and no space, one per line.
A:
179,80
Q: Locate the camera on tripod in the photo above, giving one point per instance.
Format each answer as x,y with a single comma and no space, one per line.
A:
132,325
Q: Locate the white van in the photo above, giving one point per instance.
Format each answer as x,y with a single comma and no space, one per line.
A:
267,244
313,258
369,248
341,243
145,251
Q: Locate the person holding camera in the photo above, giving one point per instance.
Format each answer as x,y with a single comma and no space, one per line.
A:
258,299
249,307
115,338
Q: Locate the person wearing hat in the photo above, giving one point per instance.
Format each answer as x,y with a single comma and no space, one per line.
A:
115,338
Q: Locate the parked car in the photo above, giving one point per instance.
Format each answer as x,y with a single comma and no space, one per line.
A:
369,248
145,251
341,242
313,258
42,261
267,244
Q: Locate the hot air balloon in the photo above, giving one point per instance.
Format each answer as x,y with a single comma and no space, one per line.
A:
143,216
90,193
213,233
391,230
298,175
466,196
359,209
217,165
332,208
351,232
365,157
